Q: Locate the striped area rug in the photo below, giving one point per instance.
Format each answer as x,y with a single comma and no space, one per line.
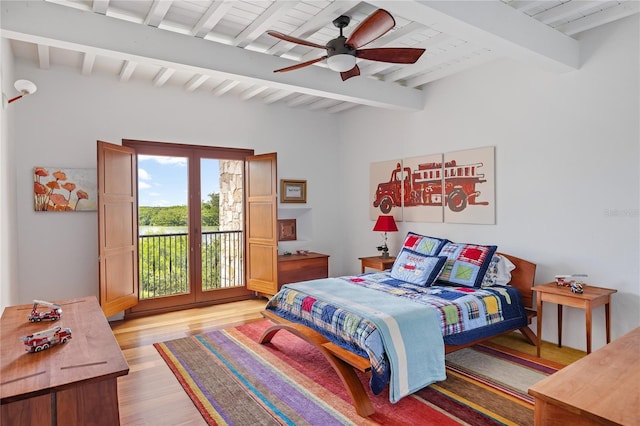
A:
233,380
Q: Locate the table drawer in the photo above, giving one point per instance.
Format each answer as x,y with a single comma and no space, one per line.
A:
296,268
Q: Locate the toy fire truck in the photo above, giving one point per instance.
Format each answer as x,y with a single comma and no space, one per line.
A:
53,313
42,340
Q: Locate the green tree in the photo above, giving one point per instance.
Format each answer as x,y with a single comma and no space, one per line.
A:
171,216
211,210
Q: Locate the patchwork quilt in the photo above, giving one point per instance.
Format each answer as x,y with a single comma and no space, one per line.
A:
464,314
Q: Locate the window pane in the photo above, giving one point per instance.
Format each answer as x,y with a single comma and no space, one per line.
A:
163,222
221,186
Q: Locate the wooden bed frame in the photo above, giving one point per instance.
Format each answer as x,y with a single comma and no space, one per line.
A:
345,362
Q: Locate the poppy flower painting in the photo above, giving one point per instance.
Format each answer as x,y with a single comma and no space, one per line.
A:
56,189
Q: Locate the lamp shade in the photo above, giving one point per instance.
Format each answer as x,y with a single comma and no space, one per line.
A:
25,87
342,62
385,224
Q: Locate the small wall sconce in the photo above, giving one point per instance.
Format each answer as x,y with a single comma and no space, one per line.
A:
25,87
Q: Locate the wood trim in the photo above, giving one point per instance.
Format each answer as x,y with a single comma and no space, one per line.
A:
156,147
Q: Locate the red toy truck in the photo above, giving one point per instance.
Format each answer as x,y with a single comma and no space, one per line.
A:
42,340
53,313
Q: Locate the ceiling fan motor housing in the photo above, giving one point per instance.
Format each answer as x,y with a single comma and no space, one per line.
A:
338,46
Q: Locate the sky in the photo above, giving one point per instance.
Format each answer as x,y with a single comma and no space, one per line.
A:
162,181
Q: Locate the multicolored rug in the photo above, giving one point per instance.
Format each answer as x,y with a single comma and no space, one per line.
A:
234,380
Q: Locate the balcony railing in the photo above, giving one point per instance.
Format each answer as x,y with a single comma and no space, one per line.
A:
164,267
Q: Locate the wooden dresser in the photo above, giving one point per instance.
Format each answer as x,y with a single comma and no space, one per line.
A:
74,383
295,267
599,389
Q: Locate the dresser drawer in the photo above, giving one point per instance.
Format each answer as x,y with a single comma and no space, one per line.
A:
296,268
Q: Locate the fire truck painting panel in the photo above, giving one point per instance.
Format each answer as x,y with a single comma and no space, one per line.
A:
380,172
424,188
470,186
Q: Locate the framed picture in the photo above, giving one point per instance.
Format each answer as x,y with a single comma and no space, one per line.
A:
293,191
287,230
58,189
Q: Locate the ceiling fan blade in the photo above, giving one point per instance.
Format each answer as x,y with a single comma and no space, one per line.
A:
295,40
301,65
395,55
373,27
353,72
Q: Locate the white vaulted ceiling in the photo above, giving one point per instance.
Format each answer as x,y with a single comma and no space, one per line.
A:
221,46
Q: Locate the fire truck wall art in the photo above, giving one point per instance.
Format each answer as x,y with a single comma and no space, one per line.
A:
385,185
457,187
64,190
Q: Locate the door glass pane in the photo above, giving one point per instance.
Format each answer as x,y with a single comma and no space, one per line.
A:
163,222
221,189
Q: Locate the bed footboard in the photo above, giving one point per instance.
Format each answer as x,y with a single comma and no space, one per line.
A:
342,361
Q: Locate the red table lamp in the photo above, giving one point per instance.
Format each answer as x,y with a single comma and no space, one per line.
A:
385,224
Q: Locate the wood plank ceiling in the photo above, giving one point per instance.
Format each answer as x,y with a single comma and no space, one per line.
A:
221,46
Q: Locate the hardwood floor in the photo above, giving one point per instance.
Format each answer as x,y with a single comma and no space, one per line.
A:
150,393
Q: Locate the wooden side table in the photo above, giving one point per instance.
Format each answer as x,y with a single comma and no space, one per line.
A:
74,383
599,389
561,295
377,262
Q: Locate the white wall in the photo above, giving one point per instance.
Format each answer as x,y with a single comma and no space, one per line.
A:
566,164
8,237
57,252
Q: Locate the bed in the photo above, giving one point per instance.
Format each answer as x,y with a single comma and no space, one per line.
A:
397,325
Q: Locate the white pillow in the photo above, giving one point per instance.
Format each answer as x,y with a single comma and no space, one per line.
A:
498,272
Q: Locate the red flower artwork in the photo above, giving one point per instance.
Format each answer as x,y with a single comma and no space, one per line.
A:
55,192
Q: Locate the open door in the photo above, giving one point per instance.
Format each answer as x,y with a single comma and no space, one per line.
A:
117,228
261,226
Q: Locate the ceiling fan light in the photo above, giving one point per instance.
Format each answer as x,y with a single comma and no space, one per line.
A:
341,63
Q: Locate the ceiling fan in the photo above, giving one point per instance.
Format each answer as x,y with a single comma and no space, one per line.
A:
342,52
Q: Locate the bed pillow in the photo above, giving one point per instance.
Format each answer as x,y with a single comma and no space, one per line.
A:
498,272
423,244
417,268
466,264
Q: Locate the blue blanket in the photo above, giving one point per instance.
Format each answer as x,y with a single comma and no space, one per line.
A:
411,334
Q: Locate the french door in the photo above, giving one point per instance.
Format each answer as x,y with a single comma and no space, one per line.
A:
190,224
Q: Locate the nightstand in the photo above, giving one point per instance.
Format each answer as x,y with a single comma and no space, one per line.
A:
377,262
297,267
591,298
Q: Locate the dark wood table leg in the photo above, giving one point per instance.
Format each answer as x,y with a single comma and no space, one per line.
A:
559,325
539,323
588,314
607,314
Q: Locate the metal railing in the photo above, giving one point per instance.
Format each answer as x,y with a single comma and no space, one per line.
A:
164,266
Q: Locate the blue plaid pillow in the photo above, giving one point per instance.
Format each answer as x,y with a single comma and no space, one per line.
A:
417,268
466,264
423,244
